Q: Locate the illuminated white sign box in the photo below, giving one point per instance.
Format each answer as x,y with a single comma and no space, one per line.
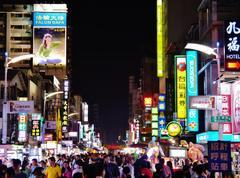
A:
178,152
204,102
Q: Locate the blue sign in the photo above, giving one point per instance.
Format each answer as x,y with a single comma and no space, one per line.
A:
49,19
192,89
214,136
161,112
219,156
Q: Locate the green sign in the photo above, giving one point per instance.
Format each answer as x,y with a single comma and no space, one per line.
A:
221,119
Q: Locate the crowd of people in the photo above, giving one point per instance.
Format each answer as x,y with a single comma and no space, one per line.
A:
100,166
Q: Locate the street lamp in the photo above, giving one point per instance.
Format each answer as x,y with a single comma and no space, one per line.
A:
8,61
46,96
215,52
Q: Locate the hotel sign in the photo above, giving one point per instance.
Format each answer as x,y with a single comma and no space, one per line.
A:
232,45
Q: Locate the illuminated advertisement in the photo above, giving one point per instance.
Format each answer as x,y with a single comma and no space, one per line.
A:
174,129
192,89
147,101
22,127
15,107
232,45
49,39
203,102
160,51
236,107
226,99
154,112
161,115
65,106
36,124
181,79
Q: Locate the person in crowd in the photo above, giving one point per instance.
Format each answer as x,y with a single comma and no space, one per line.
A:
200,171
38,172
78,170
126,172
43,165
159,171
111,168
53,170
3,169
140,163
14,171
166,169
34,165
66,170
169,164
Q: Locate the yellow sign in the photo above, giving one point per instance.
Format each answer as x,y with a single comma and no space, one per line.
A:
174,129
160,53
181,87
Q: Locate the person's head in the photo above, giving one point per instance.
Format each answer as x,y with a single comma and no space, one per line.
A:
16,164
51,161
126,170
42,163
161,161
158,167
47,39
34,162
199,169
65,164
169,163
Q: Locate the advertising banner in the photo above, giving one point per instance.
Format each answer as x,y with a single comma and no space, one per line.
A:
65,106
232,45
192,89
22,127
161,111
203,102
20,106
219,156
160,51
236,107
36,124
49,39
226,99
181,87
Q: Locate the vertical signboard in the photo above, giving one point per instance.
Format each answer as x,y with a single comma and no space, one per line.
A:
22,127
232,45
236,107
226,109
161,111
219,156
36,124
65,106
160,52
181,79
49,37
192,89
154,112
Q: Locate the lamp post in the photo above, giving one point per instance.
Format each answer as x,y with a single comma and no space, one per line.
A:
214,52
9,61
46,96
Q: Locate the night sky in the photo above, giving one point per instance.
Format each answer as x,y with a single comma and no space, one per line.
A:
109,40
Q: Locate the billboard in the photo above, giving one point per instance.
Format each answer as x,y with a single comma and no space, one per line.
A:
232,45
160,52
14,107
203,102
36,124
236,107
181,77
192,89
22,127
49,39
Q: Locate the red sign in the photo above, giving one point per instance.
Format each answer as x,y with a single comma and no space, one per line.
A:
226,105
148,101
227,128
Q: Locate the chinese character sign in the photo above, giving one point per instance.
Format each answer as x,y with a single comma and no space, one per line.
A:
22,127
49,39
219,156
36,124
65,106
181,79
192,89
236,107
232,45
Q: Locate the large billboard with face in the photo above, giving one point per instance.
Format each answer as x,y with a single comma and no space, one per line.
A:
49,39
192,89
